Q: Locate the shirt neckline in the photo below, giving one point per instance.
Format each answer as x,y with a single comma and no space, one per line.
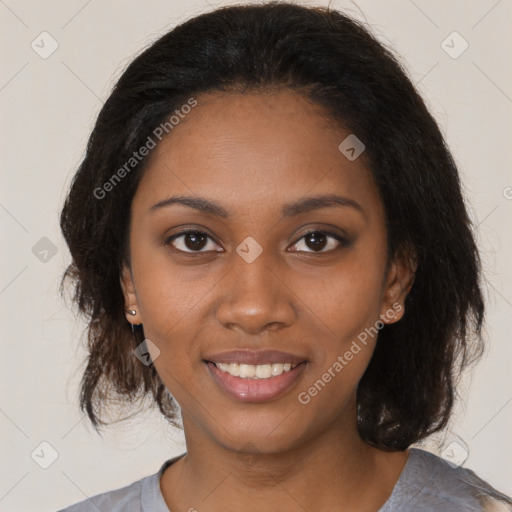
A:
152,499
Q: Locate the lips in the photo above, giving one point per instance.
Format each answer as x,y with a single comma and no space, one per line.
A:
255,357
250,389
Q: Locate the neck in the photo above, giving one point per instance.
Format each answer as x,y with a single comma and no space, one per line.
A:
332,471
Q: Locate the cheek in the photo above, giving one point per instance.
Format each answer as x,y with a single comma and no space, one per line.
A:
167,294
346,306
333,380
346,299
170,306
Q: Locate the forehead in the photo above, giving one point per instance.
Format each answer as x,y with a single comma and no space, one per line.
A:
266,147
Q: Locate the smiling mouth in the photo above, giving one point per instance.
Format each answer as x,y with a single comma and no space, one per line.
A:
251,371
255,383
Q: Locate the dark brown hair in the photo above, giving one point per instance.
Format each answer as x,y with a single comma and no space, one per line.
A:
407,391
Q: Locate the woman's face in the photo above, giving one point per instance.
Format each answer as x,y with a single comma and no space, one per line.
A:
260,171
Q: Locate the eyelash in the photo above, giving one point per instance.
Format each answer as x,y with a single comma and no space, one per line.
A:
343,242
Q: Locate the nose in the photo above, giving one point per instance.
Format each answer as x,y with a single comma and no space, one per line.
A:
254,297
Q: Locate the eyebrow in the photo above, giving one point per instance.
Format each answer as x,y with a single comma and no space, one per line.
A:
292,209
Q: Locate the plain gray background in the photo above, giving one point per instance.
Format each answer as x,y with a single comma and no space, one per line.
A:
49,104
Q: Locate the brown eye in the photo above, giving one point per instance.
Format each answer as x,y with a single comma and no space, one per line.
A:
190,241
316,241
319,240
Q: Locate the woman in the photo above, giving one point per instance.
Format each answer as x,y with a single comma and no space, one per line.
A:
268,231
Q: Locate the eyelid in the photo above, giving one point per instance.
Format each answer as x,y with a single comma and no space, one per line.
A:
341,239
185,231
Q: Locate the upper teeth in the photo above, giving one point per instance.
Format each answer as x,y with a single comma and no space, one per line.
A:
260,371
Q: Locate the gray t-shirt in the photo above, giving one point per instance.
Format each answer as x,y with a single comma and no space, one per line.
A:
427,484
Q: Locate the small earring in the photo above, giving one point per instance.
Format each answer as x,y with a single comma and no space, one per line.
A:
132,312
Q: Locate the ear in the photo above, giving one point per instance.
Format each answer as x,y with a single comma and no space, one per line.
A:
398,284
132,312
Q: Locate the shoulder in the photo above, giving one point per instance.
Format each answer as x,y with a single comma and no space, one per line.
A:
144,495
429,483
126,498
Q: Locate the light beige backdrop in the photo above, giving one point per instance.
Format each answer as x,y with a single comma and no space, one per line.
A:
60,60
